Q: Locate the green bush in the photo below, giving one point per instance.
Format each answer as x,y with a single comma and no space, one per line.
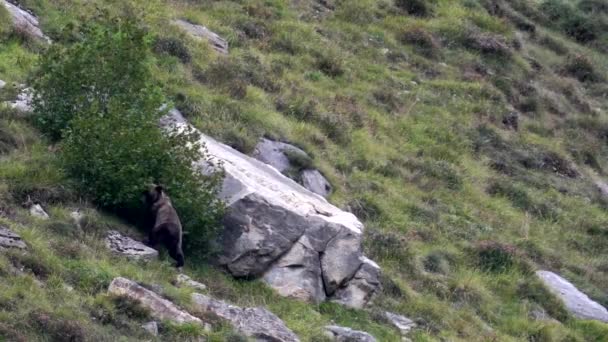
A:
98,95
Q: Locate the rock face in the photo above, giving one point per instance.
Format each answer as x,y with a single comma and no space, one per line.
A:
128,247
341,334
160,308
576,302
402,323
218,43
256,323
362,287
314,181
9,239
25,22
300,244
280,155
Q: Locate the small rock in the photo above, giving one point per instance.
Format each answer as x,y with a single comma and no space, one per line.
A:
77,216
184,280
151,327
159,307
23,102
2,84
402,323
578,303
314,181
37,211
25,22
342,334
602,187
218,43
276,154
257,323
9,239
128,247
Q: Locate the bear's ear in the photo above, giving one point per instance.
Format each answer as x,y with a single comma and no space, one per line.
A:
159,188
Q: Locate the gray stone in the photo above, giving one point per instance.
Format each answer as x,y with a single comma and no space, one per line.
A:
128,247
342,334
160,308
360,290
602,188
2,84
151,328
25,22
218,43
23,102
277,229
402,323
37,211
256,323
276,153
314,181
578,303
184,280
9,239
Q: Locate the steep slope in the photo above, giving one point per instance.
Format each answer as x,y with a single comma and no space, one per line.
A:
469,136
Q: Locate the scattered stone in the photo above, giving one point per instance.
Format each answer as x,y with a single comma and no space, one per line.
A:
402,323
276,154
257,323
314,181
303,246
23,102
184,280
36,210
218,43
160,308
9,239
576,302
151,327
128,247
362,288
25,22
511,120
2,84
342,334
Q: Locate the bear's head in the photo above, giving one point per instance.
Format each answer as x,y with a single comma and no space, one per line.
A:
153,194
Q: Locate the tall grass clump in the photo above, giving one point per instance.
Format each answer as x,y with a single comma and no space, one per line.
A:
98,98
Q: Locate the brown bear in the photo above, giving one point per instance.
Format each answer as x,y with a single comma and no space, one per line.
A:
162,223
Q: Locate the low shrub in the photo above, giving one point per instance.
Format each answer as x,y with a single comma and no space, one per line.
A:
423,41
581,67
420,8
98,96
173,47
494,256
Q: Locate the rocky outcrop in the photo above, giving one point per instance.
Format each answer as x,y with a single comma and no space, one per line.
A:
25,22
404,324
218,43
9,239
124,245
314,181
295,240
292,161
256,323
342,334
360,290
183,280
23,102
160,308
576,302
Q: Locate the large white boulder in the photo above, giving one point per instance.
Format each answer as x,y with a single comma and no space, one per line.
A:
303,246
578,303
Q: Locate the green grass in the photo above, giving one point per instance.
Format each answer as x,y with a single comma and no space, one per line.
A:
412,141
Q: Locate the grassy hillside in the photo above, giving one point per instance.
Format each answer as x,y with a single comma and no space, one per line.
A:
407,107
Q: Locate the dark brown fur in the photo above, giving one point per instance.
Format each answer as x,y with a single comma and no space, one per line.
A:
163,224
